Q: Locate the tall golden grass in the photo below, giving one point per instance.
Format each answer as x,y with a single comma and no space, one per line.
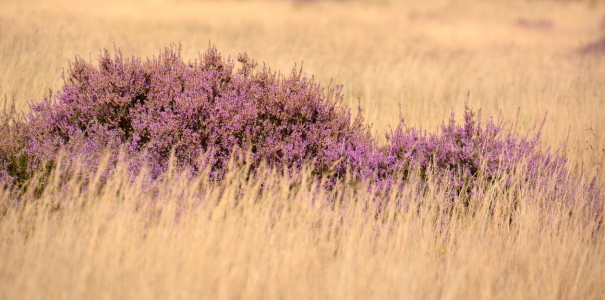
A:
191,238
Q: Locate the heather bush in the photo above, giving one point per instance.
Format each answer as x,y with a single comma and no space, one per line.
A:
463,159
469,156
202,112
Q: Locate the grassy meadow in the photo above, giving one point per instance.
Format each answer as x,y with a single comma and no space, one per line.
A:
256,238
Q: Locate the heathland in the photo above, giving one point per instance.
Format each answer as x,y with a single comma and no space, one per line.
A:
531,229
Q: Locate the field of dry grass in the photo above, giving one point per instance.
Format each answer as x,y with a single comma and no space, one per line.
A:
183,239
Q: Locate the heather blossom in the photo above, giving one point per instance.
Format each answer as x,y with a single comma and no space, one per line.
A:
460,155
203,114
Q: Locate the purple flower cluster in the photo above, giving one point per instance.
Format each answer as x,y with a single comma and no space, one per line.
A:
469,156
201,114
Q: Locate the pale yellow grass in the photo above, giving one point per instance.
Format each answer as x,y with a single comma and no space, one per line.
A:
195,239
424,56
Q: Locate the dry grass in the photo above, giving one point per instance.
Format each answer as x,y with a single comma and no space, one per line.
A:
125,241
195,239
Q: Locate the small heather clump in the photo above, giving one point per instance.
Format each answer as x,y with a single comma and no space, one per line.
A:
470,156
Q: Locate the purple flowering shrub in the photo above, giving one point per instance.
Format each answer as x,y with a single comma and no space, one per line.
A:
470,156
202,112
